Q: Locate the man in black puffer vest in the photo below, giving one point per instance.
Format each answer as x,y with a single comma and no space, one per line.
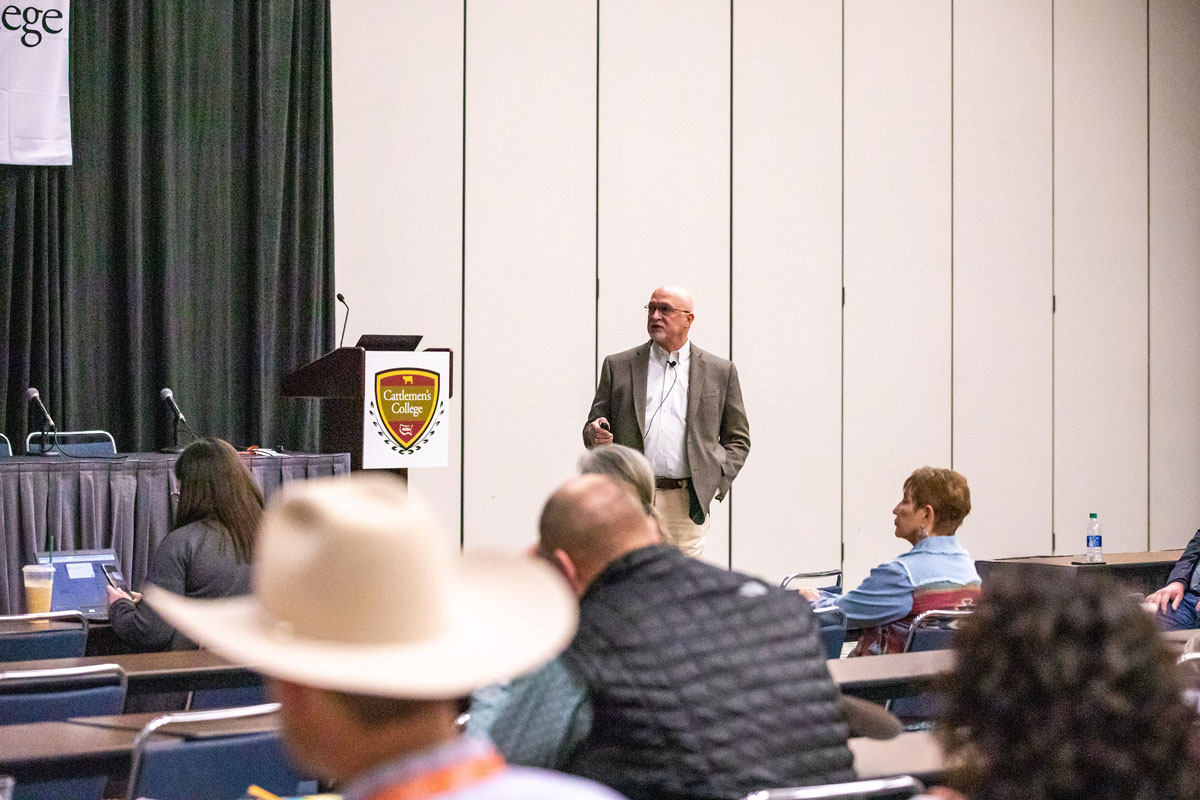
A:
701,683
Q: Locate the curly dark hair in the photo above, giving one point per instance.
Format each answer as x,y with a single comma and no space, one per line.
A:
1063,690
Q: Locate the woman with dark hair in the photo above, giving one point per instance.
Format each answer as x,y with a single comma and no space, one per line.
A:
937,573
1064,690
208,553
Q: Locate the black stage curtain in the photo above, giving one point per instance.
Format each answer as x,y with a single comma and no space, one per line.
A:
190,244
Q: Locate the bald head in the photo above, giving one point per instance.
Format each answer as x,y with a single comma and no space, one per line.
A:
670,315
594,520
678,296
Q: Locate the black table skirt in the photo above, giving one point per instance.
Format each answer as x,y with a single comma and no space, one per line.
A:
126,504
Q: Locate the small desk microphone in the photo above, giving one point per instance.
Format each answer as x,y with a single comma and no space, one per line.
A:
342,300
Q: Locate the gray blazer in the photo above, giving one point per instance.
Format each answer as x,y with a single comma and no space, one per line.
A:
718,433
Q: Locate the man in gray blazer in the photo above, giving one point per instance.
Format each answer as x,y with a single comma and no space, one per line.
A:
682,407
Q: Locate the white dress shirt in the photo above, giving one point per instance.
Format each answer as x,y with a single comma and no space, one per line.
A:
665,437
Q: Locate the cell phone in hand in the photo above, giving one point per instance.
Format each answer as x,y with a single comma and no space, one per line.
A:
604,425
115,579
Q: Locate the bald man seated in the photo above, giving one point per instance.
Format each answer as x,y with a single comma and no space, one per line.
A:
684,681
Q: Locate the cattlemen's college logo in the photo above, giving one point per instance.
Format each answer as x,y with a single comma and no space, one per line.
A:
407,403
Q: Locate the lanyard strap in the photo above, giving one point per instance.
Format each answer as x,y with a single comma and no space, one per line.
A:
448,778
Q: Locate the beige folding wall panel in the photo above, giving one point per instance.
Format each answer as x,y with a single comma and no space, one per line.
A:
1052,188
398,188
529,257
1003,278
664,176
787,282
1174,272
897,263
1100,361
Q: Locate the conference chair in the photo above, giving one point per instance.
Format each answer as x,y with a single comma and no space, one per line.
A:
896,788
833,630
835,588
932,630
81,444
207,699
45,695
5,447
48,695
1190,662
212,754
65,636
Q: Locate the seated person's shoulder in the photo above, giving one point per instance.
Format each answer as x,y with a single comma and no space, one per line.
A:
534,783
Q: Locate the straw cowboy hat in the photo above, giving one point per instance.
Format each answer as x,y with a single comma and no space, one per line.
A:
356,590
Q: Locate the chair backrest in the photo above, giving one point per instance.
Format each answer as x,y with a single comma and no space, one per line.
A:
878,789
933,630
73,443
216,767
834,588
205,699
55,641
5,447
833,629
47,695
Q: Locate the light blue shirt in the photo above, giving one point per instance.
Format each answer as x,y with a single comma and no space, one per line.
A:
512,783
887,593
535,720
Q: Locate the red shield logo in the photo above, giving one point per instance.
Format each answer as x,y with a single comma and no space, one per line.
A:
406,400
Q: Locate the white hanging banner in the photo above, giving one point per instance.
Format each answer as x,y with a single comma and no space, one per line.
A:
35,108
405,400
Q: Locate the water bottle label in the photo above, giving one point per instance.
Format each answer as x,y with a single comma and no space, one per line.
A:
1093,541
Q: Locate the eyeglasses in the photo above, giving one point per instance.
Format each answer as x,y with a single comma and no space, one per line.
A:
665,310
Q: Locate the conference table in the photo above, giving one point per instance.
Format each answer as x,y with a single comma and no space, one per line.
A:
1143,572
156,673
126,503
93,746
915,753
103,746
875,678
880,678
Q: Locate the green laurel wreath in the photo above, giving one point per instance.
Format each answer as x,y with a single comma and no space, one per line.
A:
406,451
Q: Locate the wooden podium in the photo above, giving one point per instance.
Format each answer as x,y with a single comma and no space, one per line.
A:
337,380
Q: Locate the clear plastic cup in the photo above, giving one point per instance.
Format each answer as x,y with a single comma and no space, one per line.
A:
39,587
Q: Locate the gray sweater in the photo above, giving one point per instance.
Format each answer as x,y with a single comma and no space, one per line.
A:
197,560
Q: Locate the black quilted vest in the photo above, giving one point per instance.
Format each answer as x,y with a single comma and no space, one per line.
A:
704,683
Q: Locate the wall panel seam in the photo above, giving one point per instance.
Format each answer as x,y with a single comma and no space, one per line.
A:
1053,287
462,341
729,553
1149,329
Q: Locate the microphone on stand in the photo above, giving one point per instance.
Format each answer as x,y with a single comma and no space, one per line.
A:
346,320
177,419
44,447
168,397
32,394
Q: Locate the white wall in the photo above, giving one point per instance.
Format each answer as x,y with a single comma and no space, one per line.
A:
954,166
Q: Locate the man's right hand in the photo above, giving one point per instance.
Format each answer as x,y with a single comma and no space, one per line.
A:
596,435
1171,594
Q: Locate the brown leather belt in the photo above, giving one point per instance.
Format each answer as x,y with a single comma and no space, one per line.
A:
670,483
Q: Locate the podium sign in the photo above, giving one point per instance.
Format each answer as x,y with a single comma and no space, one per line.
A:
405,400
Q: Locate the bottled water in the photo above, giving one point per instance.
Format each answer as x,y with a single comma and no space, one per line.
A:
1095,544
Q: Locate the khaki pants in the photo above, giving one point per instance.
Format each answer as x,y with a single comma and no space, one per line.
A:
673,505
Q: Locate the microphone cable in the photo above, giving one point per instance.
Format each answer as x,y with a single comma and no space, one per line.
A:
674,380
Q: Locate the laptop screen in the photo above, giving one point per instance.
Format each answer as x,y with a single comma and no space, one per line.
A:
79,582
